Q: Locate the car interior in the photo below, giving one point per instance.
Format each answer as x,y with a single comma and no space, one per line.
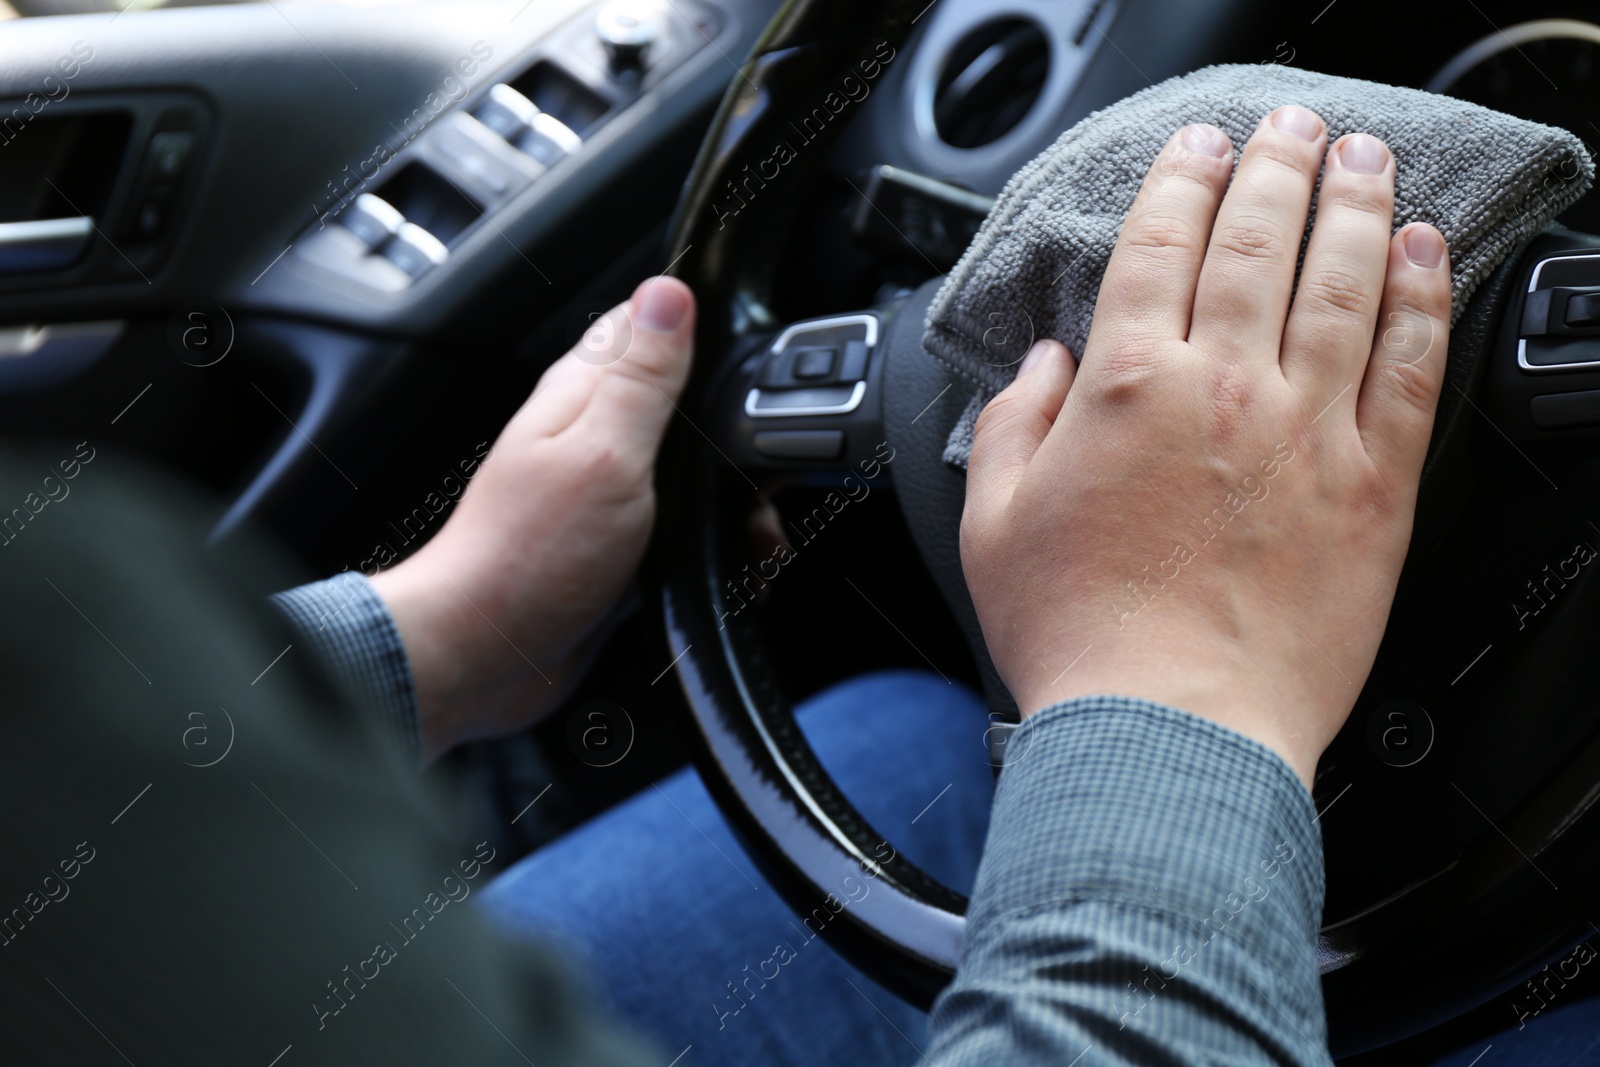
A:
310,256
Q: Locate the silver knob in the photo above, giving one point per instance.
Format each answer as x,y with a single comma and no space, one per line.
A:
627,30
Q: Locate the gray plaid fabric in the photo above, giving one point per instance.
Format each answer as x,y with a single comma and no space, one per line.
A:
344,619
1150,894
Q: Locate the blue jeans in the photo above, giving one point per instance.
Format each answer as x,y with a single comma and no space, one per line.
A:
658,899
1565,1035
662,904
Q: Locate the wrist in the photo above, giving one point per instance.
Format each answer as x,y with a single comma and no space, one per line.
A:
432,629
448,643
470,663
1236,697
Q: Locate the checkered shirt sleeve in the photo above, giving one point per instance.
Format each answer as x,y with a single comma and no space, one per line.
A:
1150,893
346,621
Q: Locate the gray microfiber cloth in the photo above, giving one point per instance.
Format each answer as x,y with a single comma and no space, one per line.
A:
1487,180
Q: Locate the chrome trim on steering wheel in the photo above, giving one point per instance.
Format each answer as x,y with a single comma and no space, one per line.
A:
752,406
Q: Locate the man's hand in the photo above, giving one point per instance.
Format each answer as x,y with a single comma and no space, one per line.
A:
500,612
1213,509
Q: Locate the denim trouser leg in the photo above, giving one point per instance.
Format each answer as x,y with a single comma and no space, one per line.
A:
662,903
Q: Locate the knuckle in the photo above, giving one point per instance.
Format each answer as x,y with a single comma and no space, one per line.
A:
1247,237
996,414
1233,393
1122,374
1336,289
1408,333
1161,234
1410,382
1374,198
1282,154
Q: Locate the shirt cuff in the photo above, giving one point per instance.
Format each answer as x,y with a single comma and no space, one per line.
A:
350,626
1133,847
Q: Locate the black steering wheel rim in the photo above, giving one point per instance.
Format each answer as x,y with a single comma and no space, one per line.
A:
1448,941
906,930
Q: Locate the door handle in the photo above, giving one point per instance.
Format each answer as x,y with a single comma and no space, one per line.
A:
43,244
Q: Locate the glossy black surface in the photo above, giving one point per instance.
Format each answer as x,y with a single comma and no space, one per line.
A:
761,770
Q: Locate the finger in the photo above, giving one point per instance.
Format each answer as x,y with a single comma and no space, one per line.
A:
1148,289
1243,294
1328,337
636,396
564,389
1015,423
1403,378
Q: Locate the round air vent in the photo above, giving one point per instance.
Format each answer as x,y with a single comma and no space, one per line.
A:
989,81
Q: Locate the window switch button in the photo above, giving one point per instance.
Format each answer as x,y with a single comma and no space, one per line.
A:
373,219
415,250
506,112
549,140
813,363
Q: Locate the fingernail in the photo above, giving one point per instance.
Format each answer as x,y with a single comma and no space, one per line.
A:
1363,154
1207,140
1035,353
660,306
1424,246
1298,121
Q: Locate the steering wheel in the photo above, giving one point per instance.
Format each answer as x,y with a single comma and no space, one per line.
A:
1458,803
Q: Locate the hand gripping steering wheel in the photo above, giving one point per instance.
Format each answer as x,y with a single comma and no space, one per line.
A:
1462,843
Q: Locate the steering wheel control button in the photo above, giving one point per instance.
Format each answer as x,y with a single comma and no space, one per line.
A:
854,367
814,368
1564,411
549,140
415,250
809,353
372,219
1583,309
800,444
628,30
812,363
1400,733
506,112
1559,321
